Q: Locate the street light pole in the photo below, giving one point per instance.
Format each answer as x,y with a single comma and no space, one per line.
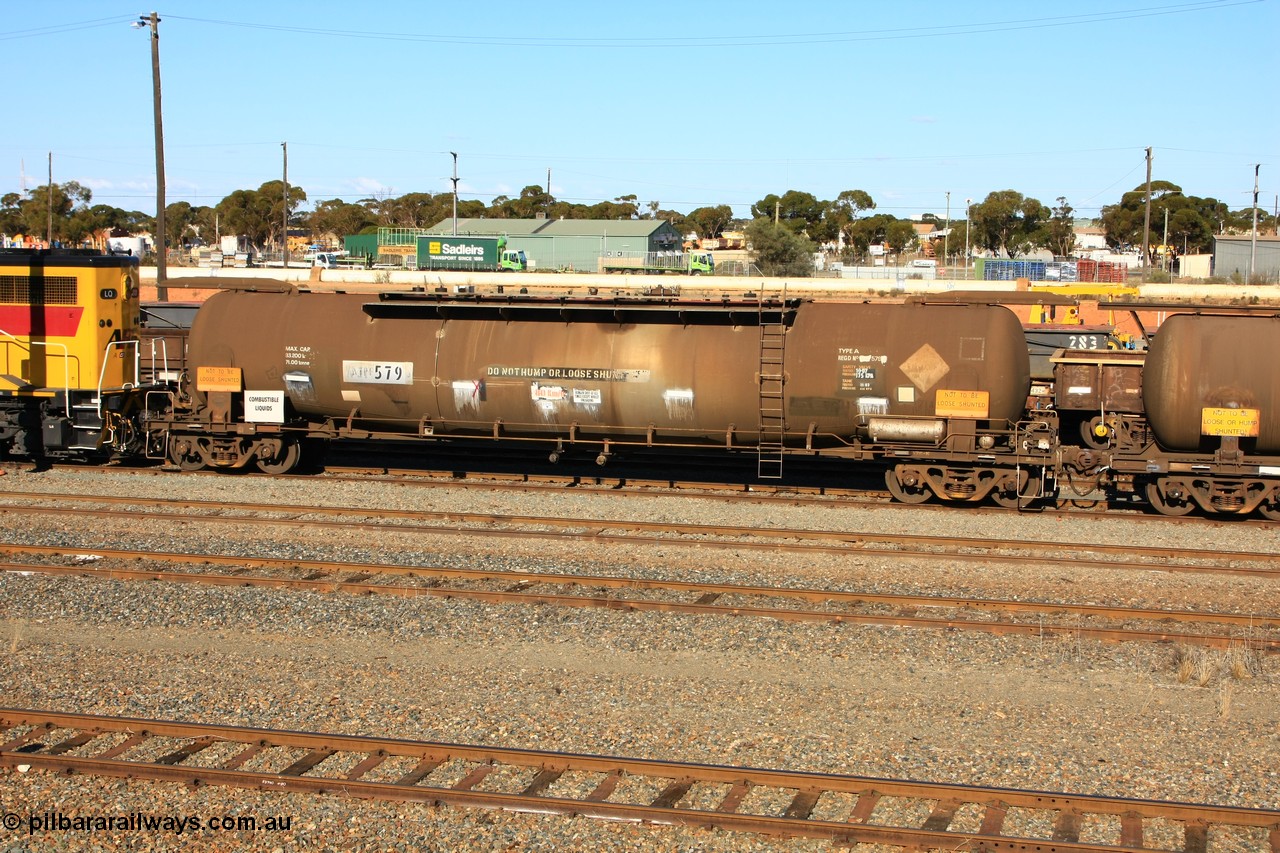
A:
1253,241
455,192
284,225
946,234
968,215
161,243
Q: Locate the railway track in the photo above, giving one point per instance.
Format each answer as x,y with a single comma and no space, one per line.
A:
844,809
1000,617
1068,505
639,531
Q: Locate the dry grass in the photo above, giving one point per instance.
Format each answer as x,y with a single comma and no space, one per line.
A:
1205,666
16,627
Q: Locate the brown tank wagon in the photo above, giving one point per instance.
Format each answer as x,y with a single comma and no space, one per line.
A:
909,384
1209,376
1192,423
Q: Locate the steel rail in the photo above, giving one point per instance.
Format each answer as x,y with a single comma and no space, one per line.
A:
847,539
849,546
628,486
707,604
50,739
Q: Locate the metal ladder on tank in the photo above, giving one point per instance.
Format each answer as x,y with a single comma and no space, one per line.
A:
773,421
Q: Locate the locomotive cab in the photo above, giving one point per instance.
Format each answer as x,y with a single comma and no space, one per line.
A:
68,353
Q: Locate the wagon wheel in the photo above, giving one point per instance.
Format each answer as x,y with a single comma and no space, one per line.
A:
1270,510
187,461
1167,506
284,463
902,492
1009,500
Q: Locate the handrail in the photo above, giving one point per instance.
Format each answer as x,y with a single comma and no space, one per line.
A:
102,373
66,360
164,356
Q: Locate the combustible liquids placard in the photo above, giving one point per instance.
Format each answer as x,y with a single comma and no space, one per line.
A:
218,379
264,407
962,404
1244,423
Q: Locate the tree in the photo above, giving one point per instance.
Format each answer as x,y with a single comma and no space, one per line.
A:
411,210
178,218
846,210
1008,223
779,250
882,229
534,199
30,215
339,218
710,221
258,214
678,220
1059,231
1192,220
799,211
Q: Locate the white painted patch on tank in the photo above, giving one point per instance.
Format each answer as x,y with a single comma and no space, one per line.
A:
547,399
873,405
679,403
350,395
467,395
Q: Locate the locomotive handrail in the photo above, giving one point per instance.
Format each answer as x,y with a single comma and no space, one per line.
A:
102,373
164,357
66,360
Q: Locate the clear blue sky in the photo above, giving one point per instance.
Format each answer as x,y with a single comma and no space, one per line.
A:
686,104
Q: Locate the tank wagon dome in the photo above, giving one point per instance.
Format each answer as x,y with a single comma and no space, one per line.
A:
1208,376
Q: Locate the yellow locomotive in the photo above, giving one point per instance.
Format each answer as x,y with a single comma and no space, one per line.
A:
69,356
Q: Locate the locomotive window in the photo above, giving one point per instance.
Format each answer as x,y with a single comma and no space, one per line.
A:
43,290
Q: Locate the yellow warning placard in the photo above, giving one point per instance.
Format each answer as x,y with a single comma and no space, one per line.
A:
962,404
1239,422
218,379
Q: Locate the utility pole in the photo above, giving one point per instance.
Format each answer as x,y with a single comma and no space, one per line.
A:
946,234
1253,242
1146,220
162,292
968,215
455,192
49,233
284,224
1164,258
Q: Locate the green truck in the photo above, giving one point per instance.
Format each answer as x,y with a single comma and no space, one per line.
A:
684,263
438,252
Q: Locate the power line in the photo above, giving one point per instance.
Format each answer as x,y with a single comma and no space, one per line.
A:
58,29
712,41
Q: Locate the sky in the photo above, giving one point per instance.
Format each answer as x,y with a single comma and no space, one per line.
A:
686,105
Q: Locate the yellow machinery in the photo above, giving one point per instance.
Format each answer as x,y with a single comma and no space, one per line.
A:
68,351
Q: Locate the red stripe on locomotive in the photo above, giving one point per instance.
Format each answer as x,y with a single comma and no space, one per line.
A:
60,321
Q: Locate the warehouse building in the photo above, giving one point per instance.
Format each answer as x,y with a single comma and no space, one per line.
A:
572,245
1231,257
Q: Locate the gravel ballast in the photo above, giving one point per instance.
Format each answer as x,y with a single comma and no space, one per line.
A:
1059,714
